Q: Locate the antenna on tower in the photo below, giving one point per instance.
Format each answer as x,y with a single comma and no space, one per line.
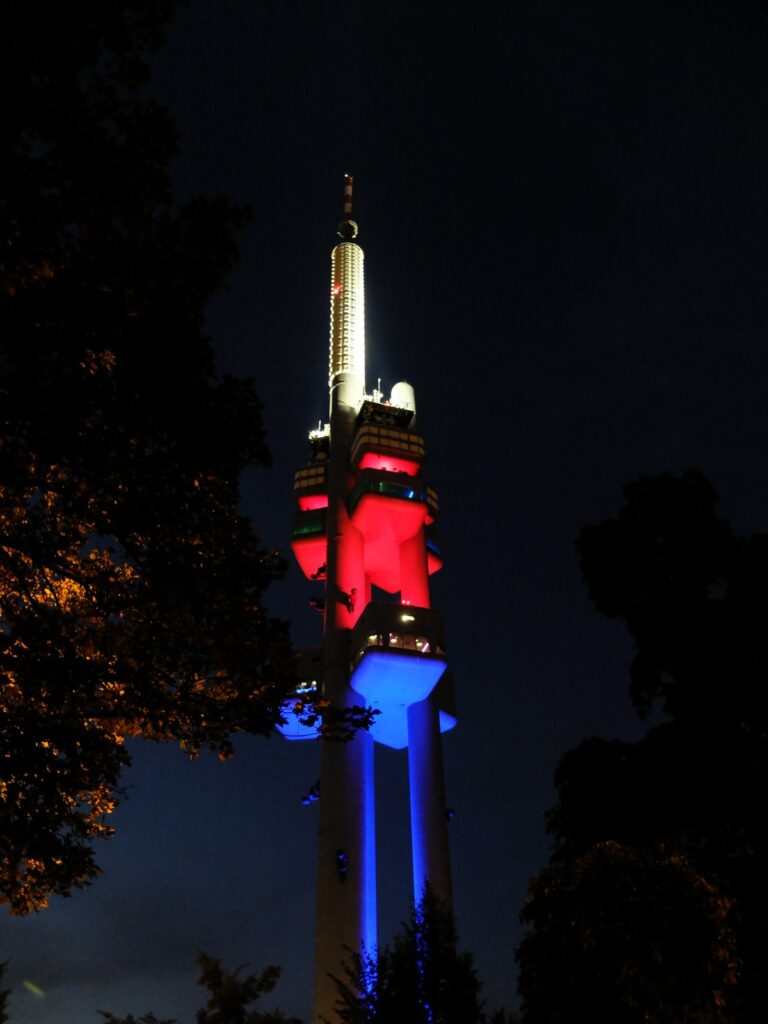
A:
348,228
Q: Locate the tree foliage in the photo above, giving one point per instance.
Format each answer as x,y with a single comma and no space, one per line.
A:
131,591
693,597
626,935
230,996
148,1018
421,978
4,993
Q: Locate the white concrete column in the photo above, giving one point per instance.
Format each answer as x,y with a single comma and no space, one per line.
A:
346,858
429,830
414,574
346,864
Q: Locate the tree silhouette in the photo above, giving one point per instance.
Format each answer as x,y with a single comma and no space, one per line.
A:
421,978
625,935
4,993
131,591
148,1018
230,996
693,597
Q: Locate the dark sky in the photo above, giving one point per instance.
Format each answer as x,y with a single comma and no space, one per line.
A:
564,210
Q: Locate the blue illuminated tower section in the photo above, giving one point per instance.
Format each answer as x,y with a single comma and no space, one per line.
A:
366,526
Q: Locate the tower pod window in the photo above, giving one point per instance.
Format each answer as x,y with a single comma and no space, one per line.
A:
389,485
311,523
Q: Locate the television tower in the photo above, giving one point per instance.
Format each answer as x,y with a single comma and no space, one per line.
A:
366,519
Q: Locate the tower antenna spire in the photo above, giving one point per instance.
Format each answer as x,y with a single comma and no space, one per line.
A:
348,228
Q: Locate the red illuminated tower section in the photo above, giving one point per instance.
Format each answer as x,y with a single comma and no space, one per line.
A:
365,527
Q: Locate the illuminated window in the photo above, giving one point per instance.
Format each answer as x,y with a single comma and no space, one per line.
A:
304,529
397,490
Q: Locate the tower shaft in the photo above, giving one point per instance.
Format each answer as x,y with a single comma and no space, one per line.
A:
429,827
366,520
346,865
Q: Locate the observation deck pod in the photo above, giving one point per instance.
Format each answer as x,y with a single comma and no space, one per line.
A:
398,658
394,503
310,486
391,448
434,544
309,541
309,669
388,509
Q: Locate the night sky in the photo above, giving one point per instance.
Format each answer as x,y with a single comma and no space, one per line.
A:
564,210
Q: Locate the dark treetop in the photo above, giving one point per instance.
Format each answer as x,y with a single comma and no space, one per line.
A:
130,588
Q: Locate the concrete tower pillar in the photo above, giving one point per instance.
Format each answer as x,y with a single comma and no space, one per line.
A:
429,825
346,866
414,575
